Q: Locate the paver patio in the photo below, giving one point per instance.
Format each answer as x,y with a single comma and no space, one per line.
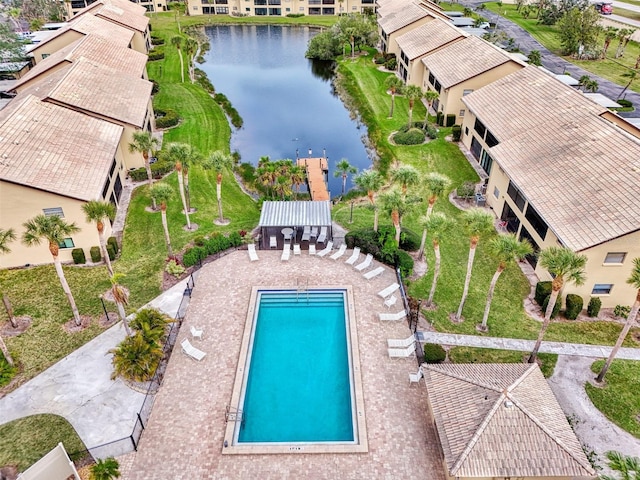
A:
184,435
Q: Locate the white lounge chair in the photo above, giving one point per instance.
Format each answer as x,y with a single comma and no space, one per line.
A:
314,232
389,290
401,352
354,256
196,332
392,317
391,301
323,235
403,343
273,242
340,252
312,249
366,263
415,377
286,252
296,249
251,248
192,351
373,273
306,233
326,250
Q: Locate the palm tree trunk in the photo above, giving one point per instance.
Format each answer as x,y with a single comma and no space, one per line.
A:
467,280
105,253
5,352
219,197
623,334
410,113
123,317
395,218
181,65
545,324
423,241
375,219
9,309
344,182
393,101
186,188
184,199
492,287
436,272
147,166
67,290
167,238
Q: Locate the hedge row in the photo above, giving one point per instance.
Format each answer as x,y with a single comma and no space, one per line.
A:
156,54
166,118
210,246
381,245
158,170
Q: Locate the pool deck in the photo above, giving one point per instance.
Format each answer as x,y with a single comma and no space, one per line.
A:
185,433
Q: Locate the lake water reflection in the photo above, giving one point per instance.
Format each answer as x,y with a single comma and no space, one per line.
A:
287,102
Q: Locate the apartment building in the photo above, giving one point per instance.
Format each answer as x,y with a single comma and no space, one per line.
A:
150,6
278,8
397,19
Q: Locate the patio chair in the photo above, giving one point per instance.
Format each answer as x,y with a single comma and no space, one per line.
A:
373,273
306,233
192,351
251,248
391,301
296,249
354,256
273,242
312,249
392,317
403,343
326,250
340,252
286,252
401,352
314,232
366,263
196,332
415,377
389,290
323,235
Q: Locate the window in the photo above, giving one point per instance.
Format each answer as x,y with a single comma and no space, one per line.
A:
466,130
461,114
516,196
491,141
496,192
313,10
57,211
45,55
615,257
275,11
328,11
66,243
480,128
301,9
274,2
476,148
195,7
602,289
466,92
486,162
437,86
432,79
404,57
536,221
261,11
222,10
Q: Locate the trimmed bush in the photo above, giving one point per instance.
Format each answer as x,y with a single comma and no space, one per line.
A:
456,132
543,290
466,190
111,252
451,120
556,307
440,118
391,64
156,54
625,103
621,311
593,309
235,239
113,241
174,268
410,240
434,353
217,243
199,240
155,88
155,40
166,118
78,256
432,132
414,136
405,263
574,306
94,252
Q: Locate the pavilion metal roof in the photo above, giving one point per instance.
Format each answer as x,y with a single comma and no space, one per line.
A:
297,213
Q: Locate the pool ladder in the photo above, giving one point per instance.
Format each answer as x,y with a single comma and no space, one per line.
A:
233,415
302,287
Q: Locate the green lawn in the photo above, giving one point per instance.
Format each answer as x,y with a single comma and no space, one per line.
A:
489,355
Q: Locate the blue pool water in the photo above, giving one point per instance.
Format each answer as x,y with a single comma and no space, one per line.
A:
298,387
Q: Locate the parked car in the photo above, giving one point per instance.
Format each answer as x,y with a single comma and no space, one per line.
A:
604,8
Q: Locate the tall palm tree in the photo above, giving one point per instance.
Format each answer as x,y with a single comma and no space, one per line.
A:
163,192
371,181
144,142
438,225
99,211
634,280
507,249
192,157
53,230
394,85
176,41
631,75
178,153
191,47
476,222
436,184
628,466
7,236
565,266
413,93
406,176
395,204
430,96
298,176
121,297
343,169
609,34
218,161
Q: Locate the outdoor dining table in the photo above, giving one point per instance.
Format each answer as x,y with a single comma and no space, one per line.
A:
287,232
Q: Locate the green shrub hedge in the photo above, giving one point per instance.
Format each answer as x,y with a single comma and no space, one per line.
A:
158,170
625,103
409,240
451,120
456,132
434,353
543,290
166,118
381,245
78,256
574,305
210,246
111,252
556,307
94,252
156,54
113,241
593,308
622,311
414,136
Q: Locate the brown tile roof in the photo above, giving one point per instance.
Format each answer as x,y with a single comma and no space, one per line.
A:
501,420
428,37
96,89
57,150
125,4
472,55
125,13
399,16
94,48
579,171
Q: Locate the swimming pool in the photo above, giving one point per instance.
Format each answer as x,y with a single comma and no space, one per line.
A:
297,386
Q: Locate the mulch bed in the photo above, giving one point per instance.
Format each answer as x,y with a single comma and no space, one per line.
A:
22,324
71,327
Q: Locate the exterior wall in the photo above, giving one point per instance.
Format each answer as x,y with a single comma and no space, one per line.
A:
392,43
141,42
52,46
278,8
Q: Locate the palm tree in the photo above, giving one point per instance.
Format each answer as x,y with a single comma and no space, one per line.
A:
136,359
591,86
565,266
413,93
395,204
631,75
436,184
628,466
99,211
343,169
176,41
163,192
609,34
218,161
405,175
192,157
634,280
191,47
535,58
54,230
583,80
371,181
7,236
438,225
177,153
624,36
430,96
121,297
394,85
151,324
476,222
144,142
106,469
298,176
507,249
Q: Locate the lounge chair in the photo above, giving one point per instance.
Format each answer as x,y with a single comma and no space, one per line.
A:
415,377
251,248
312,249
373,273
314,232
401,352
389,290
366,263
306,233
392,317
196,332
354,256
296,249
323,235
404,343
326,250
391,301
340,252
286,252
192,351
273,242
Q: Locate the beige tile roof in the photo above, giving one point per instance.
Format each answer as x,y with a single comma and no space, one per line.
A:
57,150
472,55
94,48
125,13
501,420
428,37
400,15
581,173
125,4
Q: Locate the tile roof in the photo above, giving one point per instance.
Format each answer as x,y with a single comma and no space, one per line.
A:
400,15
57,150
501,420
95,48
428,37
134,7
125,13
552,136
472,55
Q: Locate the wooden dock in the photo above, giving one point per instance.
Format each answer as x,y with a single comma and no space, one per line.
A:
316,169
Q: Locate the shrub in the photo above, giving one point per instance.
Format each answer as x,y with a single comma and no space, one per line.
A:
405,263
78,256
622,311
414,136
194,255
95,254
113,241
136,359
7,372
543,290
155,40
199,240
466,190
174,268
625,103
556,307
409,240
456,132
432,132
235,239
156,54
295,15
391,64
593,309
379,60
155,88
106,469
111,252
451,120
434,353
439,118
167,118
574,305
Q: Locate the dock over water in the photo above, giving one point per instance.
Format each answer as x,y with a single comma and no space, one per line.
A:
316,169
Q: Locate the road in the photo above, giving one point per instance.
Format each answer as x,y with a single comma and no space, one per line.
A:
626,6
